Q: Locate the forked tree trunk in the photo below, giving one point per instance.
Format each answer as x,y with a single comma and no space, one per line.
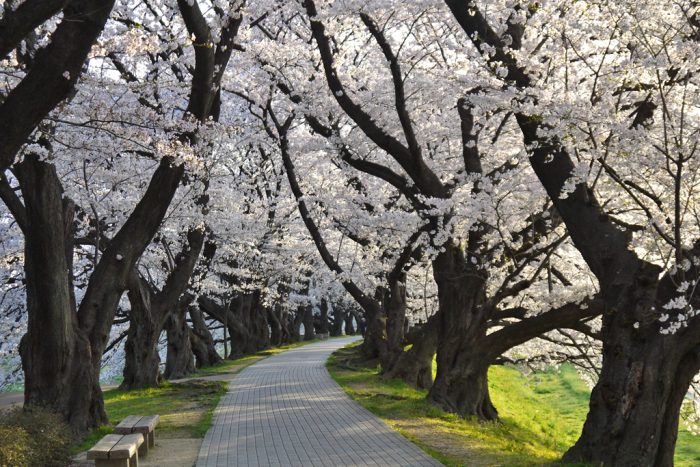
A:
461,381
55,352
150,310
415,366
180,359
142,361
201,341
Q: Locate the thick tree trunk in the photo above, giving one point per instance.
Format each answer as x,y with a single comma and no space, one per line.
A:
296,324
201,341
461,382
634,407
395,324
275,327
374,343
349,326
415,366
180,359
336,328
142,361
150,310
324,325
249,329
55,352
308,319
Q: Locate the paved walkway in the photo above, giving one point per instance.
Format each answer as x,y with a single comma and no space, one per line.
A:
287,411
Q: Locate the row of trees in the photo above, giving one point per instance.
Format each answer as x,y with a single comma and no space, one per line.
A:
511,178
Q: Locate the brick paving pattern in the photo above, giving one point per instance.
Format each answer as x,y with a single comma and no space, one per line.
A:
287,411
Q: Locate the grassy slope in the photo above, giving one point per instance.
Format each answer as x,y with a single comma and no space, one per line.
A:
541,415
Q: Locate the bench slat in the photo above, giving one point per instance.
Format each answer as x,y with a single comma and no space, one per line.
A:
147,423
127,424
126,447
103,446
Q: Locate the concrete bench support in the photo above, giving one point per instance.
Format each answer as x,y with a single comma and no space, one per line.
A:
138,424
117,451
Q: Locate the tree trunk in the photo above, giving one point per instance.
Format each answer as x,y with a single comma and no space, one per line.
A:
142,361
150,310
634,407
308,319
275,324
180,359
349,327
336,328
324,325
415,366
461,382
201,341
296,324
374,343
55,352
395,305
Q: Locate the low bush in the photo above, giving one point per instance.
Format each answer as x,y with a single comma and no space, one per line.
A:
33,437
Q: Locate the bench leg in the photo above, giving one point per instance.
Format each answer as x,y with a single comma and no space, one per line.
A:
143,449
134,461
112,463
151,439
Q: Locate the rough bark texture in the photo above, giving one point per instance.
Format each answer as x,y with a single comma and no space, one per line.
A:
374,343
349,325
141,358
336,328
202,341
150,309
308,320
460,384
415,366
246,321
180,358
56,355
324,324
395,306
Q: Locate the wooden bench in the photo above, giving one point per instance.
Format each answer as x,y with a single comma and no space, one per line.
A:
138,424
117,451
322,335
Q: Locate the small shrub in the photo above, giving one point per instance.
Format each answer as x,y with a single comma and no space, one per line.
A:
14,446
39,435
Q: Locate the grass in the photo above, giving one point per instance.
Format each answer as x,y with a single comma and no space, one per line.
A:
541,416
185,409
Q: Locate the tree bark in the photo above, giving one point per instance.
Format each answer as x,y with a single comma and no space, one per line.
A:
141,359
202,341
308,320
336,328
415,366
180,358
349,326
55,352
45,85
460,384
324,325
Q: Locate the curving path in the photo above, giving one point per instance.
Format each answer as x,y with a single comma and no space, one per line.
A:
287,411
